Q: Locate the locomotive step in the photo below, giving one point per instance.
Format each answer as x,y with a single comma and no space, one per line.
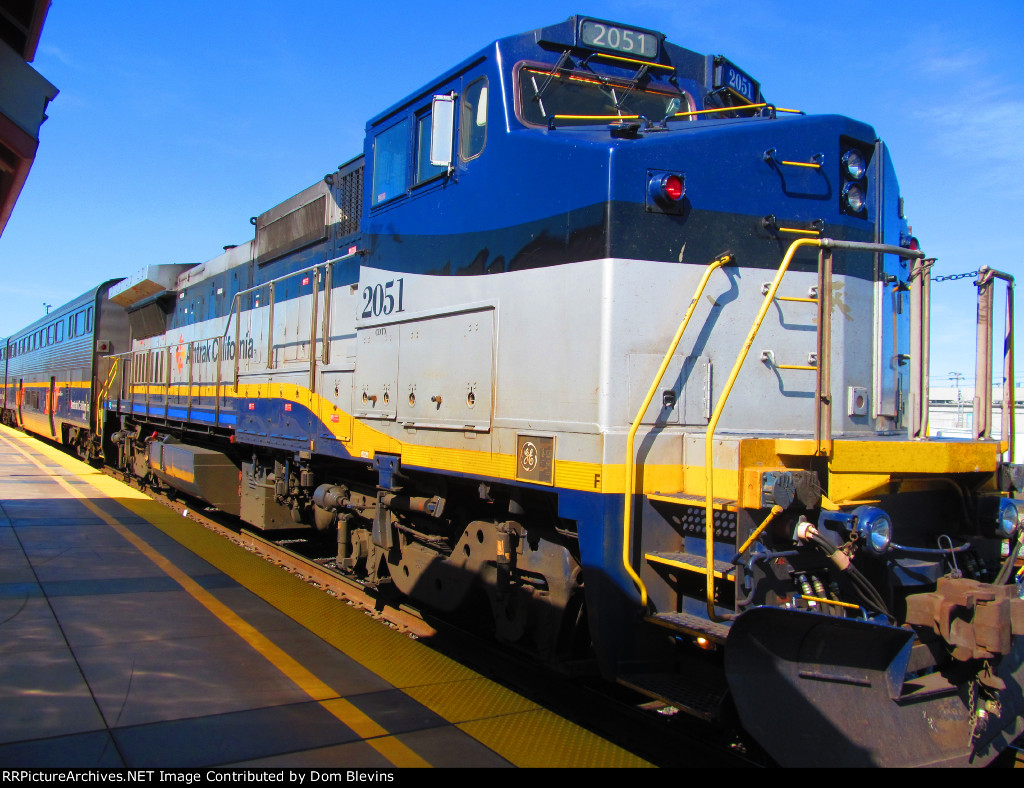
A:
692,563
690,625
681,499
700,693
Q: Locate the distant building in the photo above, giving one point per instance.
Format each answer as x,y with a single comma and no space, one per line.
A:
951,414
24,95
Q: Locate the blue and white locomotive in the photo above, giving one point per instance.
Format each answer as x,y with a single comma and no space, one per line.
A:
582,296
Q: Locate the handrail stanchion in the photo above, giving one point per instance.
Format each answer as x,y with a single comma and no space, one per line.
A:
983,358
920,346
983,366
1009,408
238,336
823,381
270,326
313,315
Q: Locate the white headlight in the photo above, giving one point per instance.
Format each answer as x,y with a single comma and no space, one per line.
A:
1008,518
853,196
854,164
875,528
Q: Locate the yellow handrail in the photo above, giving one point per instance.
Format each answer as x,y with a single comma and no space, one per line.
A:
627,515
595,117
717,109
103,393
633,61
817,163
775,512
685,115
769,298
709,530
798,231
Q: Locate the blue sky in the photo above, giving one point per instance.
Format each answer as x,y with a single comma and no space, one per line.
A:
178,121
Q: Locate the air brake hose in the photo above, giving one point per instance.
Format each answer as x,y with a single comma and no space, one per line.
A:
867,592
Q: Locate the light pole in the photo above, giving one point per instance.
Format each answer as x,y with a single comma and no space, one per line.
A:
957,377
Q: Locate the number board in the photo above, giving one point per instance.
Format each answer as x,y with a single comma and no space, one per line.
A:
625,40
736,80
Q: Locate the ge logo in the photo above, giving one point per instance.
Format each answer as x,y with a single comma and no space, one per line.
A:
529,457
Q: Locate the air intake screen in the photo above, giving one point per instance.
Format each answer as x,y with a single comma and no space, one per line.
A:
351,201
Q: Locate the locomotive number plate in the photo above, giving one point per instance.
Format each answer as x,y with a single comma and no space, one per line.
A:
628,41
736,81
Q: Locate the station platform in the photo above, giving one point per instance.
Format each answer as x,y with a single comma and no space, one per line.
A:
131,636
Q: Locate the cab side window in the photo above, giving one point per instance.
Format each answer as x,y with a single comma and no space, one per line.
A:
390,163
473,126
424,169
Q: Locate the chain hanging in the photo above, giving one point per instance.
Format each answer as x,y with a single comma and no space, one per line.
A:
954,276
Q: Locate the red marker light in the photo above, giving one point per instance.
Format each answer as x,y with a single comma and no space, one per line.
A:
665,189
672,186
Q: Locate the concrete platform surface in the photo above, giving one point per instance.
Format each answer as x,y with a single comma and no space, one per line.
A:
132,636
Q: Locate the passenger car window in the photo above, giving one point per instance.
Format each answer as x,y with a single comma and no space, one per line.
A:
473,125
390,160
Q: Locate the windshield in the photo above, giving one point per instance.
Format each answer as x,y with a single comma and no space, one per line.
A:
569,93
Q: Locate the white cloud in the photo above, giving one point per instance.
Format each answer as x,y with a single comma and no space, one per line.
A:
977,131
50,51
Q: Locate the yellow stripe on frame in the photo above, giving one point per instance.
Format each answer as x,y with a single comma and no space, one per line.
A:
849,456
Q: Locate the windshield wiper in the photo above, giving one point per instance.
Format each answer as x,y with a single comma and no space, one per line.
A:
538,92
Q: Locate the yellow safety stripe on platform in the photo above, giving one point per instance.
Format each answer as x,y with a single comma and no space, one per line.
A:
421,673
374,735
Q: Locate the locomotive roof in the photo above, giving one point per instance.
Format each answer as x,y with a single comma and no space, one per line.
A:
553,37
